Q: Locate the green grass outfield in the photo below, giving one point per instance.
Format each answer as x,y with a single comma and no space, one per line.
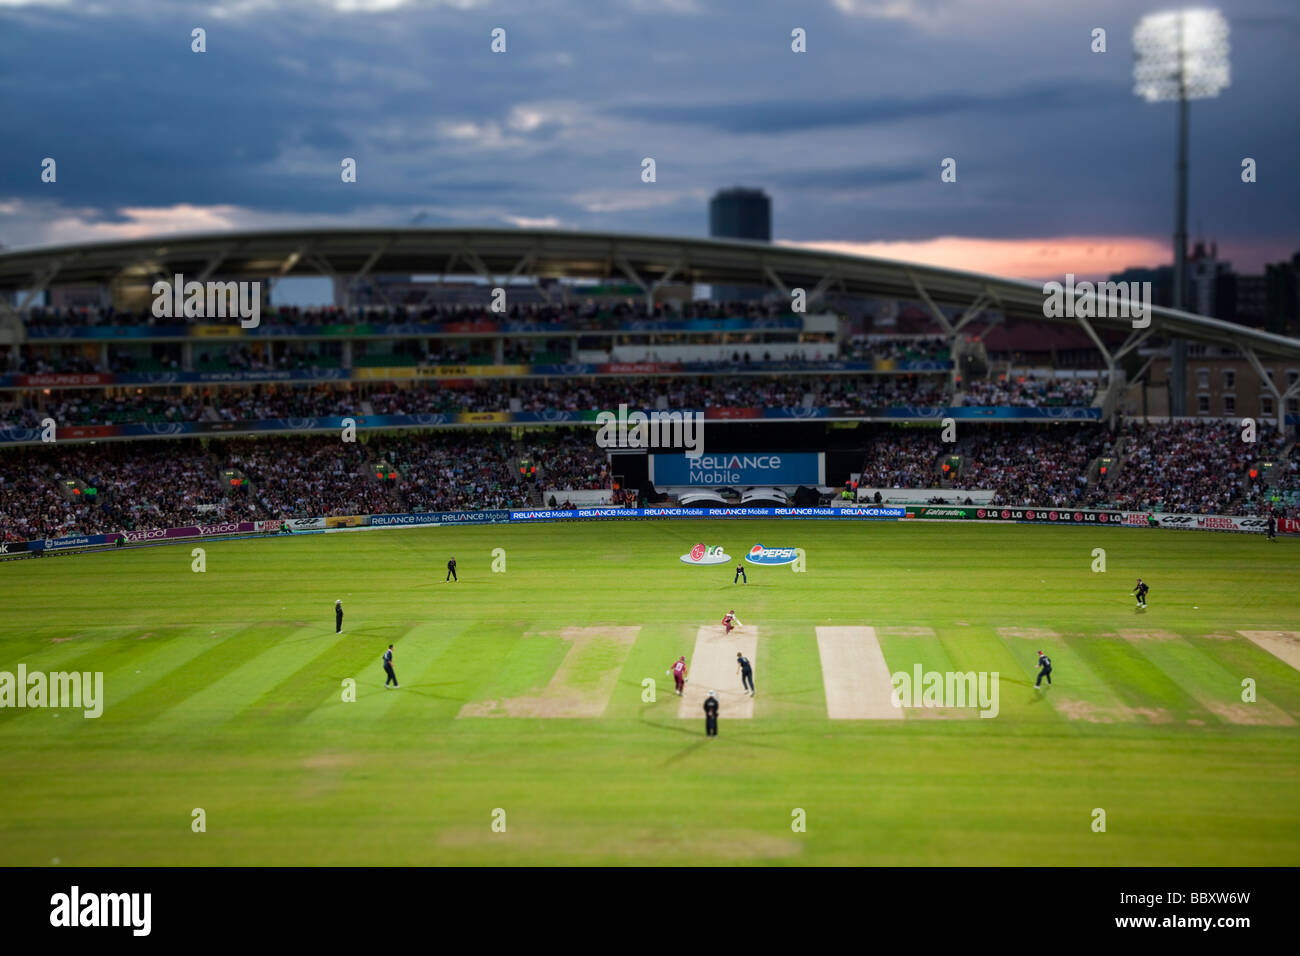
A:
224,692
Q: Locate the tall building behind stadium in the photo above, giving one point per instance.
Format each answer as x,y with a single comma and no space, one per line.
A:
741,213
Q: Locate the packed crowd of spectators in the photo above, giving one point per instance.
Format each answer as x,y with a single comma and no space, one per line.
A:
1195,467
55,364
237,357
856,396
1020,466
587,314
567,459
847,394
903,458
270,401
305,476
31,505
97,408
142,485
1029,392
279,356
177,483
462,471
900,349
1031,468
1199,467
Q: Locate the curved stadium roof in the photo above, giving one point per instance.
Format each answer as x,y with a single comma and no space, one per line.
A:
552,253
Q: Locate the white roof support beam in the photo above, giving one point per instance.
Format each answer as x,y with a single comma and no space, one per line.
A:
776,280
544,292
819,290
379,290
323,265
12,324
43,279
625,267
973,311
530,262
480,268
365,270
934,309
369,263
525,262
667,277
442,277
1135,340
294,258
1137,377
447,269
1268,383
1096,340
993,321
214,262
150,266
1262,372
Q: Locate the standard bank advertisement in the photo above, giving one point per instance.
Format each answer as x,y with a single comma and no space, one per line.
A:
739,468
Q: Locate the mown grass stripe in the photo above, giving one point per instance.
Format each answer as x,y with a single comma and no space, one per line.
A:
1080,690
54,653
228,696
1274,678
1213,686
319,680
228,652
904,648
449,675
656,647
971,649
414,649
130,665
1143,687
789,684
461,665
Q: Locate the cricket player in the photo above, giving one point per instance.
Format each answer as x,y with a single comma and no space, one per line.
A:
388,668
1141,590
338,617
729,621
1272,526
711,715
740,575
746,673
1044,669
451,571
679,674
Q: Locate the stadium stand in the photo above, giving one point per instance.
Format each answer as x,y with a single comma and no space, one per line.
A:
1199,467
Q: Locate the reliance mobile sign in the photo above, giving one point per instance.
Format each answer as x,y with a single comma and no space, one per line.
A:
738,468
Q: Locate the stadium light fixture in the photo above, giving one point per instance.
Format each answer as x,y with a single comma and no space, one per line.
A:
1180,55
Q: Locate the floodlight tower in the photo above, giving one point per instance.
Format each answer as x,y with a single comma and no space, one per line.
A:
1180,55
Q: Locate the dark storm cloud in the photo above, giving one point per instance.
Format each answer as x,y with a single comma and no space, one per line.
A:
782,116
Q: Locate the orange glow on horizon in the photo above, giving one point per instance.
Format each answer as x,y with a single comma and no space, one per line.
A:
1088,257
